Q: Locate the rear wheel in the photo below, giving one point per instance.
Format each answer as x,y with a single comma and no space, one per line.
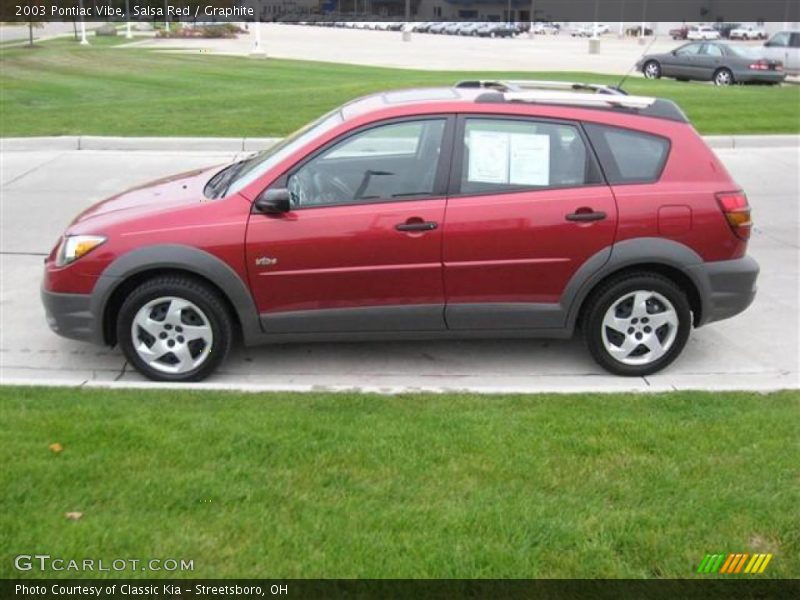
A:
637,324
174,328
723,77
652,70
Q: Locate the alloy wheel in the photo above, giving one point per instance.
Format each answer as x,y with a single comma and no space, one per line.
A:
723,77
652,71
639,327
171,335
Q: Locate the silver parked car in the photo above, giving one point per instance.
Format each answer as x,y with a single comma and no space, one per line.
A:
785,47
722,63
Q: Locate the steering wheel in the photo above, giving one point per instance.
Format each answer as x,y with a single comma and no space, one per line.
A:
311,187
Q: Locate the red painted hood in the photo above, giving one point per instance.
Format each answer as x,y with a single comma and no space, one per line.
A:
153,197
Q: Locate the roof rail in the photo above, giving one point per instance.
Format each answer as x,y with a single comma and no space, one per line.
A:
517,85
601,100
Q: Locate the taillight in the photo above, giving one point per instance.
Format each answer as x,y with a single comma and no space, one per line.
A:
736,209
759,66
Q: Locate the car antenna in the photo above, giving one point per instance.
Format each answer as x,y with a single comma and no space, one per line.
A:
624,77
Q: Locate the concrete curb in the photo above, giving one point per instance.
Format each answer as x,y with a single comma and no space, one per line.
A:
188,144
165,144
752,141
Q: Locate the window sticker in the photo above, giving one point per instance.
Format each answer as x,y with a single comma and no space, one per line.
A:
530,159
488,156
509,158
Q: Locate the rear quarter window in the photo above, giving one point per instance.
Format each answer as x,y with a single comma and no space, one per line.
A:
628,156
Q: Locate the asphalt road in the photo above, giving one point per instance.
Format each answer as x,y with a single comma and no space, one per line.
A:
41,191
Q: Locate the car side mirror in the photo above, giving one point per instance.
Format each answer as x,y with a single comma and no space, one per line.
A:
273,202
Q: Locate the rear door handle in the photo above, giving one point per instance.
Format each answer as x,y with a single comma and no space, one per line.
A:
417,226
586,217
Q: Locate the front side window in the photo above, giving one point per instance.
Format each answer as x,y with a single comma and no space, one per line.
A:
628,156
689,50
501,154
395,161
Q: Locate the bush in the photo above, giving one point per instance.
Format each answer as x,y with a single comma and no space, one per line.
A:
216,30
107,29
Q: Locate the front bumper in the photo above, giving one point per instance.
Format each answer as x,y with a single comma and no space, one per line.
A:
727,287
70,315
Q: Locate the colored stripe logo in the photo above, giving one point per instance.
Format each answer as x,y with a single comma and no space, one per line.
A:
734,563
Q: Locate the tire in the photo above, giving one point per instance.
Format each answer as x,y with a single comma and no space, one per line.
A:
723,77
636,324
652,69
174,328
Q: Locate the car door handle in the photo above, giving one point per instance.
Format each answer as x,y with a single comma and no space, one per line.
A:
416,226
586,216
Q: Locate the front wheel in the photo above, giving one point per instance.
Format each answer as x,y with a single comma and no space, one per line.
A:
652,70
174,328
638,324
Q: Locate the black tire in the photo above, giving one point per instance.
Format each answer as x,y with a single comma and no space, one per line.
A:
610,292
652,69
198,293
723,77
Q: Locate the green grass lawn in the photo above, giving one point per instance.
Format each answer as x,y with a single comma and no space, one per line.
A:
349,485
62,88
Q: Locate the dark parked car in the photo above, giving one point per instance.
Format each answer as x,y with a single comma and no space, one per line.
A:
680,33
722,63
497,30
489,209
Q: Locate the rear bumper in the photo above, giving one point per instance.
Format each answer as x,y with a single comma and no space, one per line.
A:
759,76
70,315
728,287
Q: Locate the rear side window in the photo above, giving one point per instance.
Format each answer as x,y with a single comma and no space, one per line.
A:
629,156
507,155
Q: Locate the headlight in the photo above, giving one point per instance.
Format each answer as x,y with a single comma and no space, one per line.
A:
74,246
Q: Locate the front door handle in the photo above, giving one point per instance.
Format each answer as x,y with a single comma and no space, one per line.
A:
416,226
586,216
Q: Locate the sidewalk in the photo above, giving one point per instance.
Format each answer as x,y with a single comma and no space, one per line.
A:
222,144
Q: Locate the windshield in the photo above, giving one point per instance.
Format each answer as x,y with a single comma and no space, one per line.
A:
244,173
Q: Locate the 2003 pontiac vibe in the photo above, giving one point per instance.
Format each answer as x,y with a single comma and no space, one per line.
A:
489,209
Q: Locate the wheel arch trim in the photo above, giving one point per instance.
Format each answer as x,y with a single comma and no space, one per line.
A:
629,254
176,257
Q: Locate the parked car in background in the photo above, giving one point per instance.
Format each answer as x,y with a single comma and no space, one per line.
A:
470,28
720,62
748,32
497,30
703,32
488,209
546,29
679,33
726,28
589,31
785,47
438,28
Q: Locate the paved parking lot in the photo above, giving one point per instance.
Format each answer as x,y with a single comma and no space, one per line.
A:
42,191
427,51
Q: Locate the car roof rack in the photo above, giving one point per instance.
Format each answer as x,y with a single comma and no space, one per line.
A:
518,85
557,92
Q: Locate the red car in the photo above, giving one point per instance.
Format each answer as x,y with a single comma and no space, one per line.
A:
490,209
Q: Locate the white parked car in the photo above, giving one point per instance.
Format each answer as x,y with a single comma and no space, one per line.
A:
785,47
703,32
748,33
